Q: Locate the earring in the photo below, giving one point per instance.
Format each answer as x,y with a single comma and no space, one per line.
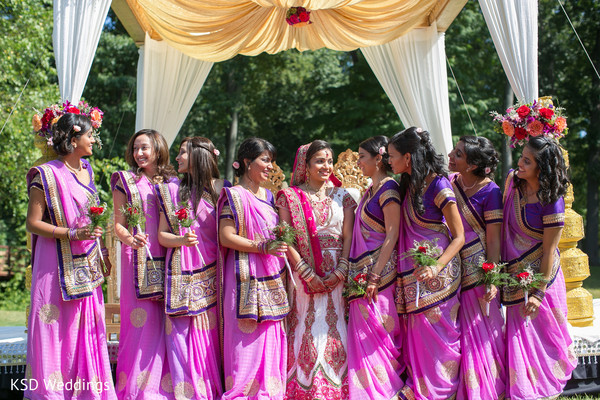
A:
74,145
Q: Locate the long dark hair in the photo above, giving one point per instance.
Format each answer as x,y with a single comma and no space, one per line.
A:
372,146
553,177
424,160
164,169
480,152
251,149
63,132
315,147
202,169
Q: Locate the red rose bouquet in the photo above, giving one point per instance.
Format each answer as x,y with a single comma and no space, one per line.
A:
297,16
522,121
492,275
284,232
356,285
424,254
134,215
184,218
526,279
42,122
99,216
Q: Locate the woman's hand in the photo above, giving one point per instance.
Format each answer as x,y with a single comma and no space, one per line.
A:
316,285
85,233
491,293
138,241
277,249
331,281
532,306
371,292
425,273
189,239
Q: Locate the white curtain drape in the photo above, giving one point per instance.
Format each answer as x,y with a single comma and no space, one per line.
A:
412,71
77,28
168,84
513,27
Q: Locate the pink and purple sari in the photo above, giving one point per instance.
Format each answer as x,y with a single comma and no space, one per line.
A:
191,328
540,355
374,343
66,339
483,365
142,365
254,302
431,331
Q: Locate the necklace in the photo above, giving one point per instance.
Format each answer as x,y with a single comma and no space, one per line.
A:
258,193
466,188
74,170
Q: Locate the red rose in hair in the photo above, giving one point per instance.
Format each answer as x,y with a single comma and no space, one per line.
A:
520,133
546,113
73,110
487,266
523,111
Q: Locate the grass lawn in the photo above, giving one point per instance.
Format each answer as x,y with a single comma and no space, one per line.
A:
12,318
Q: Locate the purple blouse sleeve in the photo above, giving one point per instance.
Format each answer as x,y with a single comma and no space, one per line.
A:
553,214
443,193
492,207
389,193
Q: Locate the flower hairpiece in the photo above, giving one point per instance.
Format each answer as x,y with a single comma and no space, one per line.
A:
487,170
235,165
523,121
381,150
43,122
419,130
216,152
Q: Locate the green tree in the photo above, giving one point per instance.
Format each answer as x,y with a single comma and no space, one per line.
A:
28,81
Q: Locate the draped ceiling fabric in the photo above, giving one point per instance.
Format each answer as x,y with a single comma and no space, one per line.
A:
77,28
168,84
219,30
513,26
412,71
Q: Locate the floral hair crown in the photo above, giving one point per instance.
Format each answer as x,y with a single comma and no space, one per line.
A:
43,122
523,121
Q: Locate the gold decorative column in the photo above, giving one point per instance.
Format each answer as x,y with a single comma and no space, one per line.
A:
575,264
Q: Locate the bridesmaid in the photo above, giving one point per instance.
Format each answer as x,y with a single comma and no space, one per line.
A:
373,364
252,278
191,271
431,337
142,347
479,200
540,354
66,337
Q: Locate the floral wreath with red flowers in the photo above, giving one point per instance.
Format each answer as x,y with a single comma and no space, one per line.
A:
43,122
297,16
523,121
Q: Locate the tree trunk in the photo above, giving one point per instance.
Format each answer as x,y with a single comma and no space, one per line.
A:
232,90
506,149
593,165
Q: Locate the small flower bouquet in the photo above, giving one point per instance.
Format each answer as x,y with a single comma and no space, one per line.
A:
297,16
424,254
284,232
526,279
522,121
356,285
184,218
99,216
42,122
134,215
492,275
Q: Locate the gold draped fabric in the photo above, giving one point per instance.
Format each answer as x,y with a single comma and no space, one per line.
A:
218,30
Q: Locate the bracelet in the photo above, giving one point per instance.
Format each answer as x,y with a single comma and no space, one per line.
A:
263,247
373,278
538,294
304,270
53,232
340,274
72,235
